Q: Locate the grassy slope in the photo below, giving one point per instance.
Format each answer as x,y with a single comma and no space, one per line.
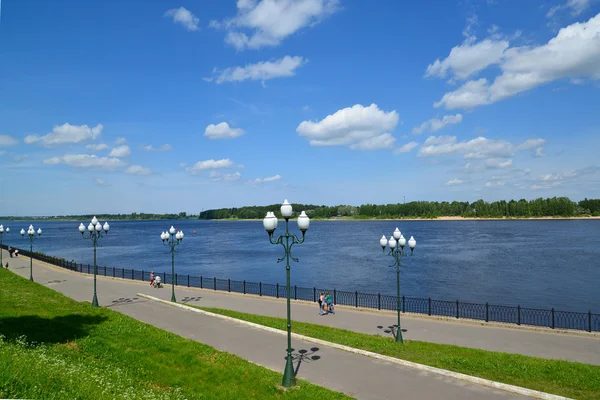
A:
100,354
570,379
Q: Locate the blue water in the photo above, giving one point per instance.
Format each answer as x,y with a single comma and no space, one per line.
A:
532,263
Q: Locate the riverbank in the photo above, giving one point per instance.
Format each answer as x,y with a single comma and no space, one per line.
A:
450,218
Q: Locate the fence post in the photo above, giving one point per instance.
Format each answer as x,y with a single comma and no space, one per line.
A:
277,290
114,273
88,268
164,276
334,297
589,321
176,279
123,273
314,294
244,286
260,288
295,292
201,283
356,298
229,285
429,306
379,301
487,312
552,317
456,309
142,274
215,283
105,270
403,304
518,314
188,280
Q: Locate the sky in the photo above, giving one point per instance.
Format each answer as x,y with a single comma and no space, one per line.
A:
120,106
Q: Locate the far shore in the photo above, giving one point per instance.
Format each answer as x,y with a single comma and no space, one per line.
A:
427,219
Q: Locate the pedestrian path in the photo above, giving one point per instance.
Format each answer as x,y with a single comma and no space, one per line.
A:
356,375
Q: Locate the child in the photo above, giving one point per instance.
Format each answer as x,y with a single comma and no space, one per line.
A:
321,304
329,302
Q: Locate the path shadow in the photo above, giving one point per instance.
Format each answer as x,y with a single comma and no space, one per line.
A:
303,356
60,329
56,281
391,330
123,300
187,299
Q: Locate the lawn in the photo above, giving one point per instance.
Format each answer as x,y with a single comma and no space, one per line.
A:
52,347
569,379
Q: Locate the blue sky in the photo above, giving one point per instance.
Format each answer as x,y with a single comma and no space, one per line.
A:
168,106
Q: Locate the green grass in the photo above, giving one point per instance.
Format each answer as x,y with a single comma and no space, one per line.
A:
570,379
52,347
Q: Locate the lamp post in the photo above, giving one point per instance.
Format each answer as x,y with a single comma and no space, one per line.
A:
287,240
397,243
95,231
2,232
31,233
172,238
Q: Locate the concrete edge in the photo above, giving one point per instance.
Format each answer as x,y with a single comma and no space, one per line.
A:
456,375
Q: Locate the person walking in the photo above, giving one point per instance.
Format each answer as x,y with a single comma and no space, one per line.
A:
329,302
321,304
152,278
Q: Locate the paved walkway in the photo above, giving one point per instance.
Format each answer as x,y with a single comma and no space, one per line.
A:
355,375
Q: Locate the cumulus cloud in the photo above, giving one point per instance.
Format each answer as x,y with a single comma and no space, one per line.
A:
66,133
358,127
494,163
138,170
454,182
6,140
164,147
494,184
211,164
434,124
261,71
218,176
183,17
479,147
96,147
268,22
87,161
268,179
120,140
101,182
222,131
574,53
576,7
120,151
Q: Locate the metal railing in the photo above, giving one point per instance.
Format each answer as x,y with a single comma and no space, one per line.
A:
551,318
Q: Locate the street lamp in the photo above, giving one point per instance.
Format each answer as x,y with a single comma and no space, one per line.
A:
95,230
31,233
2,232
397,243
287,240
172,238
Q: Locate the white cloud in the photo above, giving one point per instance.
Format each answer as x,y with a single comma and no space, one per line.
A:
269,179
120,140
357,127
66,133
576,6
306,108
120,151
573,53
222,131
96,147
101,182
405,148
210,164
493,163
454,182
468,59
138,170
164,147
269,22
86,161
261,71
184,17
494,184
182,164
479,147
6,140
217,176
539,152
434,124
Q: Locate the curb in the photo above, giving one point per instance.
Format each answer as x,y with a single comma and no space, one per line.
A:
456,375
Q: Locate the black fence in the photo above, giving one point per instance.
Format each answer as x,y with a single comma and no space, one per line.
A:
552,318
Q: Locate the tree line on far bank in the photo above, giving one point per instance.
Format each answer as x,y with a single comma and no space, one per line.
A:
550,207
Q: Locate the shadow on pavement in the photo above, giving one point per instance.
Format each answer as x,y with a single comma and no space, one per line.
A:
303,355
187,299
390,330
49,330
123,300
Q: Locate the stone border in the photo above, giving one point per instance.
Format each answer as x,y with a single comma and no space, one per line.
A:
456,375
